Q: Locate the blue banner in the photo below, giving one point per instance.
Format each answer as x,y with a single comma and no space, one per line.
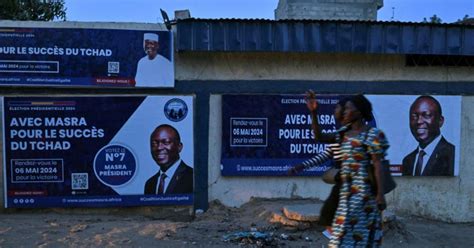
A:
98,151
265,135
86,57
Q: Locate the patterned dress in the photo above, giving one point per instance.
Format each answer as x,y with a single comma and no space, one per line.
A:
358,222
334,152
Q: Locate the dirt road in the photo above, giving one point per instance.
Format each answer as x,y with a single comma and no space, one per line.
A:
131,229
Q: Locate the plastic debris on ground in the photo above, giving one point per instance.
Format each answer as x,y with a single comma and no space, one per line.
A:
258,238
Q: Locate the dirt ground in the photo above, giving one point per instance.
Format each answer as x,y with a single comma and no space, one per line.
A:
131,228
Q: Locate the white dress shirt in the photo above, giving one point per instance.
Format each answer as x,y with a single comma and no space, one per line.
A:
169,174
428,151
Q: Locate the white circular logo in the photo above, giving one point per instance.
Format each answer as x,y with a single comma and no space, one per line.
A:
176,110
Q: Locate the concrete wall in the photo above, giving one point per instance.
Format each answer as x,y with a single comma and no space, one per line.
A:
303,66
328,9
442,198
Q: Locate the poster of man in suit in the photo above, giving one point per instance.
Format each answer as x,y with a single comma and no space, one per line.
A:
434,155
424,133
174,176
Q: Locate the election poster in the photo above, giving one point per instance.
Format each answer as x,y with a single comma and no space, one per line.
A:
98,151
265,135
86,57
414,123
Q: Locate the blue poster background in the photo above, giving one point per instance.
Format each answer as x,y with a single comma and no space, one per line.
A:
264,135
38,56
57,151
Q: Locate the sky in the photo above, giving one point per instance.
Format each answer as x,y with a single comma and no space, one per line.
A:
148,11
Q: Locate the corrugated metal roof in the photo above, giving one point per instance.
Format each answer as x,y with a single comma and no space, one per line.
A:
324,36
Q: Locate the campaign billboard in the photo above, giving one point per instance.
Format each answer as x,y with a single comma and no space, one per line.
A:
98,151
86,57
265,135
412,123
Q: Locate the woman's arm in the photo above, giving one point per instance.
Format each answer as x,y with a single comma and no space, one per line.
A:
319,159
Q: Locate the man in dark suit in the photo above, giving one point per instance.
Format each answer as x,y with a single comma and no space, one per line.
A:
174,177
434,155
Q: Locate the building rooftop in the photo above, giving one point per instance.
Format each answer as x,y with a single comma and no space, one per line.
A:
325,36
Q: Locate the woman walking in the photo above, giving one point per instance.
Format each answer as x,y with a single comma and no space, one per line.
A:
333,151
358,220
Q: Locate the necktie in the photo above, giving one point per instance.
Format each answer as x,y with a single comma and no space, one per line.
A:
161,185
419,163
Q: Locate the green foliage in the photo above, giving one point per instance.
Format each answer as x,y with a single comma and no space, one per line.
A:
433,19
32,10
464,18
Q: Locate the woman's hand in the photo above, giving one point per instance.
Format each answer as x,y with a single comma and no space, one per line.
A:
380,200
295,170
311,101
